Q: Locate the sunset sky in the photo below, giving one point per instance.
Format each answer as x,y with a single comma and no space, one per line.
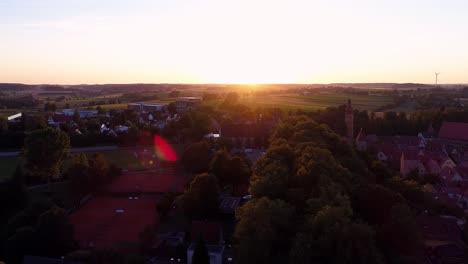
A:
234,41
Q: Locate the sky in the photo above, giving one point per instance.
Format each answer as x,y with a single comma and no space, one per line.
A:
233,41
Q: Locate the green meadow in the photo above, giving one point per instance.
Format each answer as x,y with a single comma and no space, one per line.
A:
318,101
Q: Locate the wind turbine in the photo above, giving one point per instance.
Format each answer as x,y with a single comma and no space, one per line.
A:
437,77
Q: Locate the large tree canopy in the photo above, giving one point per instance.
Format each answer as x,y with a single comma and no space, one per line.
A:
263,231
202,197
44,150
340,214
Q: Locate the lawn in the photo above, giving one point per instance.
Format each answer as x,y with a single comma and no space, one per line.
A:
7,167
123,159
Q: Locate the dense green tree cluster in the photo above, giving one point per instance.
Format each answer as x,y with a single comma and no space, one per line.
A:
89,174
40,229
231,170
391,123
201,200
315,201
44,151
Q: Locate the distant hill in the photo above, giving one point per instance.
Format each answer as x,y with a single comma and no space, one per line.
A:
412,86
365,85
15,87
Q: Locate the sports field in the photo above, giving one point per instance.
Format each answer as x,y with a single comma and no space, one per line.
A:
147,182
124,159
104,223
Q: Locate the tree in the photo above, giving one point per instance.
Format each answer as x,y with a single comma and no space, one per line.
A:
99,170
231,99
200,253
172,108
13,193
224,143
100,110
331,237
174,94
50,107
79,175
76,117
196,158
40,229
3,124
44,150
230,170
263,231
54,233
271,173
401,231
202,197
220,166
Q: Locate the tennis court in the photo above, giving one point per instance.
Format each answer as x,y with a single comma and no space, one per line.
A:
104,223
147,182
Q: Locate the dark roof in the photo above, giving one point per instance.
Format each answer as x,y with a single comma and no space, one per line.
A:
229,204
211,232
453,130
244,130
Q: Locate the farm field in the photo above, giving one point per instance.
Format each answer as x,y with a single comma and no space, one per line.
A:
319,101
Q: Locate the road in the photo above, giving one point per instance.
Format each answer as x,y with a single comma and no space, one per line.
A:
73,150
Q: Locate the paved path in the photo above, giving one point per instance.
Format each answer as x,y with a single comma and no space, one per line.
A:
73,150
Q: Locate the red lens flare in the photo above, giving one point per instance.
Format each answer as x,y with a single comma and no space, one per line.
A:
164,151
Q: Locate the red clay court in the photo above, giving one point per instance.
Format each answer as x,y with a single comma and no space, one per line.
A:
147,182
104,223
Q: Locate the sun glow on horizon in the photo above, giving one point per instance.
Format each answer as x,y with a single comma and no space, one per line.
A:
232,41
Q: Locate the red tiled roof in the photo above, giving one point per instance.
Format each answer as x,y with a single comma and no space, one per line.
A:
452,130
61,118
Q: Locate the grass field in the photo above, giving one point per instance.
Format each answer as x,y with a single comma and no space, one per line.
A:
123,159
319,101
7,167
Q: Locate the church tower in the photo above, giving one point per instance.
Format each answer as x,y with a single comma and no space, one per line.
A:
349,121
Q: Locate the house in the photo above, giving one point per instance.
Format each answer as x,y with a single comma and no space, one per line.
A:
229,204
121,129
447,162
212,234
363,142
59,118
245,134
82,113
146,118
146,107
215,253
411,161
187,103
104,128
452,131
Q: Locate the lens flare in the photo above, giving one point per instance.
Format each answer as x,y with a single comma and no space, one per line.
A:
164,151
